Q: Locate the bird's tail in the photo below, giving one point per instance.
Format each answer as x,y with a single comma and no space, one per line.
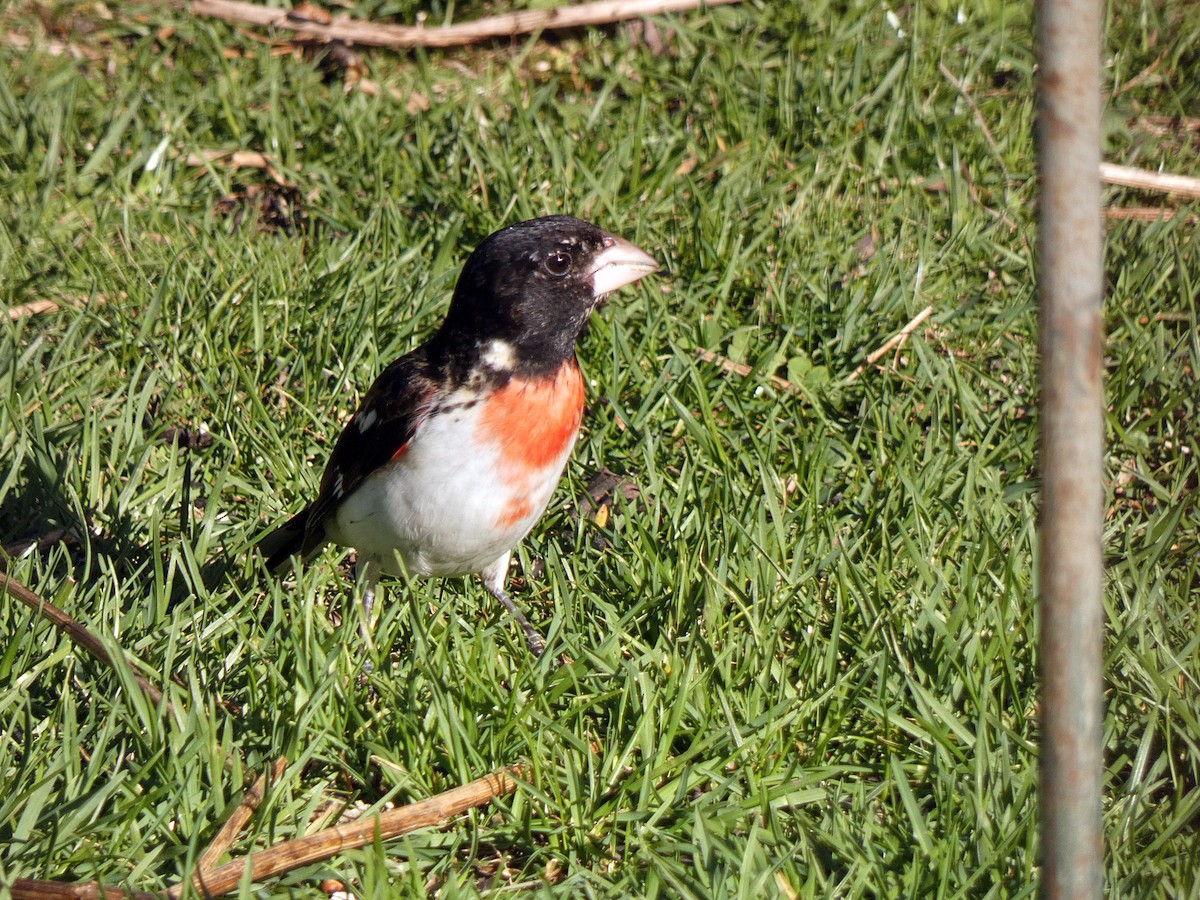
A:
289,540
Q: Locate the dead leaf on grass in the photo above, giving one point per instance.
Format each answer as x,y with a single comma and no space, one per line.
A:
604,491
272,207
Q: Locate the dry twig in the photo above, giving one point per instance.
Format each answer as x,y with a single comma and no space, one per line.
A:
324,844
239,817
1127,176
25,44
37,307
736,368
966,95
1140,76
1143,214
973,192
237,159
42,541
1161,126
895,341
78,634
378,34
35,889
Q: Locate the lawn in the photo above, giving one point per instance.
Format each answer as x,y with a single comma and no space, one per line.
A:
798,620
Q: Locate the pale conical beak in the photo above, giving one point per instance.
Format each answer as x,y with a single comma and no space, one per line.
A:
618,264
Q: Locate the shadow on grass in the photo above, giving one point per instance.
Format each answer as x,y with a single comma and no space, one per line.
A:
41,513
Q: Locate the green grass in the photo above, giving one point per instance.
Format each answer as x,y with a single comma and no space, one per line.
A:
804,660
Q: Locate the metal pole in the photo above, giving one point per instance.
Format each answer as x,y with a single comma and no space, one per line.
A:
1070,288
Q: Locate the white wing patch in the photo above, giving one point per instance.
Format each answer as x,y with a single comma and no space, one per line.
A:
499,355
367,420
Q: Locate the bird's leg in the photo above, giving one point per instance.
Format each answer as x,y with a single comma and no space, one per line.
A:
493,581
537,645
366,573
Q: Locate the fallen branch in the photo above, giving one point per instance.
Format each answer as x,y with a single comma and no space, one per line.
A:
324,844
236,159
1127,176
37,307
1143,214
378,34
43,541
973,193
237,820
33,308
736,368
895,341
1166,125
24,43
35,889
966,95
78,634
1140,76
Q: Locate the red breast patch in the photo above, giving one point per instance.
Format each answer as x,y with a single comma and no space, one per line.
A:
534,420
517,511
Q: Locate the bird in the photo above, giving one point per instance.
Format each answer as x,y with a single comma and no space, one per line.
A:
457,447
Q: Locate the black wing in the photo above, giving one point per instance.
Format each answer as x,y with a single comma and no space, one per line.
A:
392,411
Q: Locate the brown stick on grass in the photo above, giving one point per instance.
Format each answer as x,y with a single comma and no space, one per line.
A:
37,307
77,633
1127,176
324,844
378,34
237,820
214,882
728,365
1143,214
895,341
296,853
35,889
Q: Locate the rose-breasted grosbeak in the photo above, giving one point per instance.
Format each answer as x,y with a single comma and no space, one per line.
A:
457,446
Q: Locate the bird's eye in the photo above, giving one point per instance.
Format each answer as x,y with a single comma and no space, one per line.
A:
558,263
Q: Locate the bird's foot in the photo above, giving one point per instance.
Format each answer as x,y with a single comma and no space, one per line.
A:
535,642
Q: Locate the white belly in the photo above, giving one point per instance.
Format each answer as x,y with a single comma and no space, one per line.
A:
441,516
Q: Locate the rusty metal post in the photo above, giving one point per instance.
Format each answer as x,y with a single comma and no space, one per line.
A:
1070,290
